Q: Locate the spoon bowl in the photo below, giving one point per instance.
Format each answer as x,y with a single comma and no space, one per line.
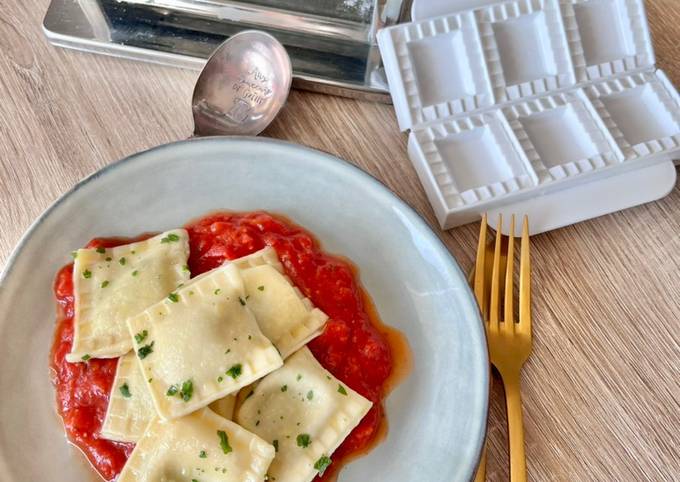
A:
243,86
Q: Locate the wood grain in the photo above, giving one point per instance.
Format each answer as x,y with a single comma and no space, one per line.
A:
602,389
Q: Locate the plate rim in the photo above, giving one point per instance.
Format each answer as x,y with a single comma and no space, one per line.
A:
342,164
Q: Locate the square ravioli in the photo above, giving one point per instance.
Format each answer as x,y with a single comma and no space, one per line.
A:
305,413
111,285
201,343
130,406
284,314
201,446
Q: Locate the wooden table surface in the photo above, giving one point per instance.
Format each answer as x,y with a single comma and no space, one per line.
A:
602,388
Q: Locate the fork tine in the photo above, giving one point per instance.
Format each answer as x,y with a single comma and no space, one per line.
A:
509,314
494,310
480,264
525,280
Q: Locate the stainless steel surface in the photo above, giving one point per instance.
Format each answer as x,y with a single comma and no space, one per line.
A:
317,18
243,86
332,52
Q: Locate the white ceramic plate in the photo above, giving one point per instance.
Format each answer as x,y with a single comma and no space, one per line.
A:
437,416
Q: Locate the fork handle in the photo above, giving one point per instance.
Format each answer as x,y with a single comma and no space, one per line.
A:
513,400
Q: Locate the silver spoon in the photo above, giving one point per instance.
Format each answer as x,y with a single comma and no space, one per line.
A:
242,87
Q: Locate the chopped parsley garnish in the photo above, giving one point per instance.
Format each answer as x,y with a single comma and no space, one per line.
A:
261,288
284,388
322,464
310,395
217,291
145,351
304,440
242,301
170,238
275,443
141,336
74,254
101,250
125,390
135,273
185,267
172,391
87,274
219,379
235,371
150,380
194,480
105,283
341,389
257,423
191,293
299,377
174,297
250,337
203,454
122,261
224,441
108,258
187,390
85,357
227,352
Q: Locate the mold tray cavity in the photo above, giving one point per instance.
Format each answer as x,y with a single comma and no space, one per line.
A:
603,31
640,115
472,158
558,136
442,68
523,51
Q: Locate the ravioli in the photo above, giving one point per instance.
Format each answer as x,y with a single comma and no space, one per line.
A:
110,285
201,343
201,446
284,314
305,413
130,406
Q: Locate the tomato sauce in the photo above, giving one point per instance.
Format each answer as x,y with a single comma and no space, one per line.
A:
354,346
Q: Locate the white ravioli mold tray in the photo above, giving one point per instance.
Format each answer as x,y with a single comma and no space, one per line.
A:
551,108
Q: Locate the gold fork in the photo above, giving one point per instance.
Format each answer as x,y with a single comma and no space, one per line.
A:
509,342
